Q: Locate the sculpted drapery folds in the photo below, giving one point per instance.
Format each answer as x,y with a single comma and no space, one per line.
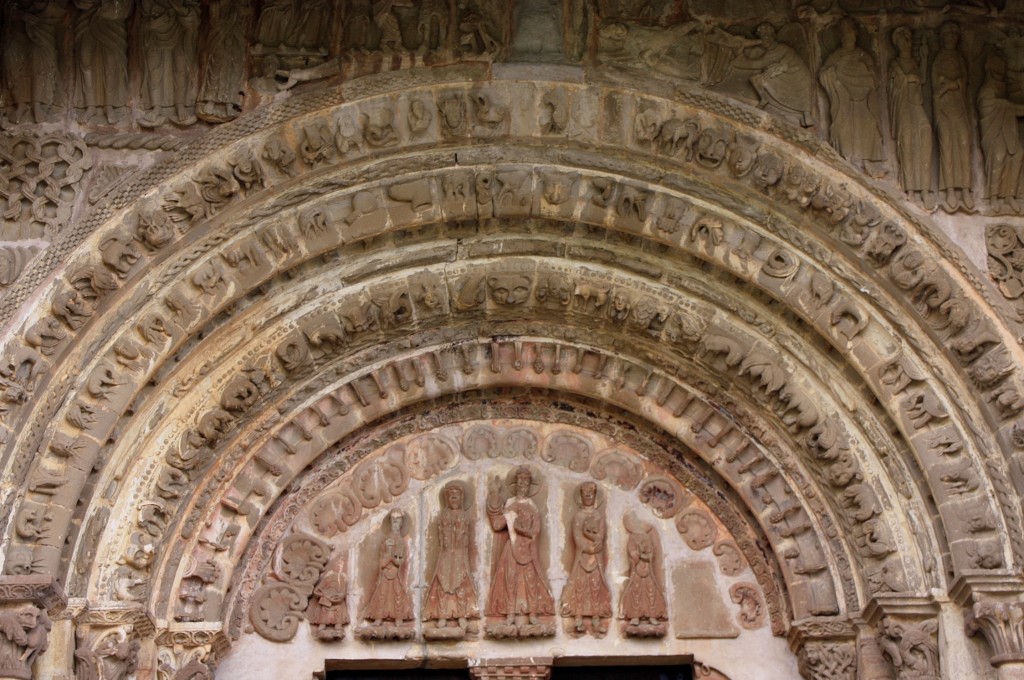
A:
911,127
849,79
170,30
518,587
1000,138
220,98
586,597
451,597
328,607
390,604
642,605
783,83
101,43
952,122
30,57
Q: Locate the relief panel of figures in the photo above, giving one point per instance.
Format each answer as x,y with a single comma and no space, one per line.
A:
515,550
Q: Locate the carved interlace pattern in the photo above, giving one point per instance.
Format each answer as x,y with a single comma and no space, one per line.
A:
39,178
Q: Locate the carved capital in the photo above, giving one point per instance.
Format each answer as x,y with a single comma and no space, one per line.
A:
826,648
533,668
189,651
1002,624
820,660
26,604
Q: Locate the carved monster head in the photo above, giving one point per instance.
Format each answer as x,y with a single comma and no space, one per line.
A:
711,147
509,289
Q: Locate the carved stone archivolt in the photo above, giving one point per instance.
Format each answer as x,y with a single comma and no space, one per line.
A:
215,392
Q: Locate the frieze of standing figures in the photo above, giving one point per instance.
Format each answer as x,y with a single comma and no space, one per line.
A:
912,101
488,558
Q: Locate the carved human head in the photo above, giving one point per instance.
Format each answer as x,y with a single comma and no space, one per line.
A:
848,32
588,493
766,32
454,495
949,34
523,480
396,518
902,38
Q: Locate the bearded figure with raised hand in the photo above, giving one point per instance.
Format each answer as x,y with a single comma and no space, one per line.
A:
586,597
519,592
450,603
642,607
389,610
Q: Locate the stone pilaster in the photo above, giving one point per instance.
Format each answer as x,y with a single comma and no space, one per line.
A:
532,668
27,604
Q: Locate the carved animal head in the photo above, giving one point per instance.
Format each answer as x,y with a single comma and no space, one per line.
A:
509,289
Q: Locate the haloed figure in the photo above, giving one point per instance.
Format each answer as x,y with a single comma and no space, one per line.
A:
451,597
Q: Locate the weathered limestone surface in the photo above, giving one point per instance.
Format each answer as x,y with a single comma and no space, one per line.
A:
509,335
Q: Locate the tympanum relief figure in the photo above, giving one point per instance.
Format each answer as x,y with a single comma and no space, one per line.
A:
586,598
519,596
389,611
642,606
328,606
450,604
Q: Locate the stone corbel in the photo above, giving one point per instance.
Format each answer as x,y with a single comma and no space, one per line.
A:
826,648
994,607
189,651
27,605
532,668
906,644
